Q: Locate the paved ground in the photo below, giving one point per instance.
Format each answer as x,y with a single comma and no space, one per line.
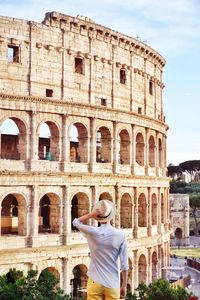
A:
195,241
183,269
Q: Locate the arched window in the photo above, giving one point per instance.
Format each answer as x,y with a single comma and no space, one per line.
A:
140,149
79,281
80,207
124,147
142,211
126,211
162,209
160,150
154,266
151,151
13,215
103,145
49,214
48,145
142,269
154,208
13,139
78,143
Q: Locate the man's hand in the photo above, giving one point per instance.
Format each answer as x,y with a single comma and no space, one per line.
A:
97,214
122,292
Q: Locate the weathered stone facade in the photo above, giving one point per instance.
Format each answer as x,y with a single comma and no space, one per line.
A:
179,219
76,76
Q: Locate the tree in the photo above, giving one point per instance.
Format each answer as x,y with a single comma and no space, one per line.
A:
174,171
157,290
192,167
195,206
15,286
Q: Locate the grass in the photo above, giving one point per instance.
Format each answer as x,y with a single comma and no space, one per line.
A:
189,252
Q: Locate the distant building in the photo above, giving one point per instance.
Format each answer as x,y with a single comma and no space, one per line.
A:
179,219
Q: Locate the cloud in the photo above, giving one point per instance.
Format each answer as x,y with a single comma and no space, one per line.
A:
168,26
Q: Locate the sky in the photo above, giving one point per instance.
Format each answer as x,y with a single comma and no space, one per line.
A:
170,27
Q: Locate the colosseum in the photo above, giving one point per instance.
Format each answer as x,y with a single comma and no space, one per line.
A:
81,120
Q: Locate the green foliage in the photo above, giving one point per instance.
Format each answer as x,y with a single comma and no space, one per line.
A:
181,187
195,200
16,286
159,290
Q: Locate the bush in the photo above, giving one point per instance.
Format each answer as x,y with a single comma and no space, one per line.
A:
159,290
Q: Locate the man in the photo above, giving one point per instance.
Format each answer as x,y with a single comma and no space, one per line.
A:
106,244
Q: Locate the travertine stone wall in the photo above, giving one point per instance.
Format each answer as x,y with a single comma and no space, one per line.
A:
179,219
99,93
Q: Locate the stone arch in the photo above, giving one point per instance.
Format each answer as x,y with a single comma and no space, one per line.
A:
49,213
80,207
140,149
154,266
151,151
124,147
162,209
142,210
103,145
48,146
105,196
14,215
126,211
78,143
178,233
160,151
13,146
142,269
79,281
154,209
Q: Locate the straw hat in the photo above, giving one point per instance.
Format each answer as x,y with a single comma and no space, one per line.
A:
108,209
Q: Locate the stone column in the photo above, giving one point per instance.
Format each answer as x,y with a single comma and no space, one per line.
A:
94,198
167,208
149,266
28,221
159,210
155,92
66,277
115,141
145,87
133,150
135,228
135,269
34,214
156,154
33,137
146,156
61,216
66,215
64,141
116,221
149,212
164,156
91,87
161,94
159,266
92,158
27,148
113,76
131,80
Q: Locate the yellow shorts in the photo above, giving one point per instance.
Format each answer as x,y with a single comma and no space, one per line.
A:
96,291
